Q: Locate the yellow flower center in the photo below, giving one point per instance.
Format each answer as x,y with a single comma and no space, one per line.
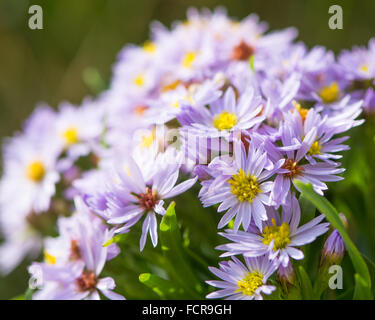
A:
49,258
70,136
149,47
250,283
188,59
139,80
225,121
302,111
35,171
171,86
147,140
244,187
315,149
330,93
364,68
280,235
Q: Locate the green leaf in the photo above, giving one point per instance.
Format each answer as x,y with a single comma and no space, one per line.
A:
116,239
325,207
93,80
173,249
362,290
307,209
163,288
29,294
305,284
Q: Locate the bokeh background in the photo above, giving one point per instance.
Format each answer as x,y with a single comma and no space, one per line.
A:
73,55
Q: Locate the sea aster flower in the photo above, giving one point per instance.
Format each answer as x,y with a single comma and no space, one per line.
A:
77,128
136,193
74,261
223,116
300,142
241,186
243,282
279,236
30,170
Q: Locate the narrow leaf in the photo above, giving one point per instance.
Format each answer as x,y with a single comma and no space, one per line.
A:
325,207
305,283
163,288
172,246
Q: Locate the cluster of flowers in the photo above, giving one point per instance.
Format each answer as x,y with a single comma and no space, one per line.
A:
243,111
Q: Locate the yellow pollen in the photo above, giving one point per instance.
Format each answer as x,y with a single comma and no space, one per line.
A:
315,149
244,187
140,110
128,172
149,47
225,121
364,68
302,111
70,136
188,59
171,86
147,140
280,235
36,171
250,283
49,258
330,93
139,80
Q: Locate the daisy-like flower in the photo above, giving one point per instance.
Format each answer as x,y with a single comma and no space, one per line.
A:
325,147
135,192
279,237
20,241
241,186
223,116
172,99
243,282
30,170
77,128
73,261
300,142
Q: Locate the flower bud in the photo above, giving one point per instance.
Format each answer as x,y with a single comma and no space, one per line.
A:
334,249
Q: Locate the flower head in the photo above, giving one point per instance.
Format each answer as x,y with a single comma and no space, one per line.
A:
279,236
243,282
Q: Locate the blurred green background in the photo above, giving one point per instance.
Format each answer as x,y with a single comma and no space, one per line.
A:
49,65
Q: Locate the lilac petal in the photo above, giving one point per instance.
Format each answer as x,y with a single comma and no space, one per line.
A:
145,228
153,229
182,187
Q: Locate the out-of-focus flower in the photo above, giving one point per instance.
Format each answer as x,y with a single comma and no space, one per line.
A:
73,261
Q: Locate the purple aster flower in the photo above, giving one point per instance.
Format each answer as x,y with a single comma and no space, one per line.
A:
279,236
241,186
223,116
73,261
359,64
77,128
134,191
243,282
30,170
300,142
